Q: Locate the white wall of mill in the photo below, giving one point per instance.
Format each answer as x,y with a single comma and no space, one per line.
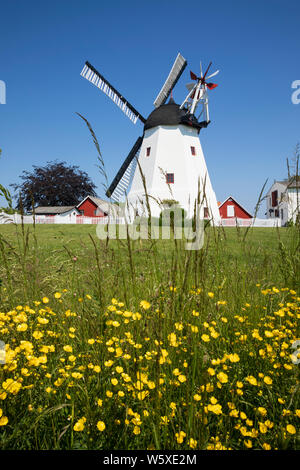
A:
171,153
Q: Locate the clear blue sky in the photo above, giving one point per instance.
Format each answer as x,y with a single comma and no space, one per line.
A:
255,44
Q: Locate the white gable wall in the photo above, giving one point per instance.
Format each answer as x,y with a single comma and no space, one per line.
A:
288,202
293,202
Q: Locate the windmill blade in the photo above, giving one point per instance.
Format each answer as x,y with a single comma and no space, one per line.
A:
123,178
91,74
209,65
213,74
173,77
193,76
190,86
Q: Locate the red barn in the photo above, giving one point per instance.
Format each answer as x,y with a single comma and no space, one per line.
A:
93,207
230,208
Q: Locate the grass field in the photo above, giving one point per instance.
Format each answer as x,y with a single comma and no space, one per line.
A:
124,344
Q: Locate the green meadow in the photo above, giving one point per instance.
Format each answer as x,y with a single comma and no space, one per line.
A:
142,344
38,261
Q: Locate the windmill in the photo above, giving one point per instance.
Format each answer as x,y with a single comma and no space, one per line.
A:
169,152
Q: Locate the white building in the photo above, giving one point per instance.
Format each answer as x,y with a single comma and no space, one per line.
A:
283,200
173,164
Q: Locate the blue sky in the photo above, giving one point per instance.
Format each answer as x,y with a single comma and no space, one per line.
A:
44,45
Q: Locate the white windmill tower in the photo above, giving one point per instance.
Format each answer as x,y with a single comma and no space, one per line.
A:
171,163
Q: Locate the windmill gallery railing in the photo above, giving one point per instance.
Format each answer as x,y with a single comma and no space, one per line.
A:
60,219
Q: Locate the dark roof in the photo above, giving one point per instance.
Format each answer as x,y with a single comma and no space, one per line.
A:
53,209
170,114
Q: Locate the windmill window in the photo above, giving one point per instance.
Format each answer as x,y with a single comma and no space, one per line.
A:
148,150
206,213
170,178
193,150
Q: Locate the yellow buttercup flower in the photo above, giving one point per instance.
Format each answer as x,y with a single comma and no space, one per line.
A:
205,338
173,340
222,377
77,375
3,421
266,446
145,305
234,357
79,426
263,428
180,436
11,386
262,410
248,444
291,429
268,380
22,327
101,426
192,443
216,409
136,430
252,380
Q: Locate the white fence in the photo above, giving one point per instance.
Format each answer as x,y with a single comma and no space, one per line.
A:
70,219
233,222
57,219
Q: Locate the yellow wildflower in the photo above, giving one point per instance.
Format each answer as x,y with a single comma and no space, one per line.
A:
145,305
291,429
180,436
222,377
101,426
205,338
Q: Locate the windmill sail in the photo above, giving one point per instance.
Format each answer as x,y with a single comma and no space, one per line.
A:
173,77
123,178
91,74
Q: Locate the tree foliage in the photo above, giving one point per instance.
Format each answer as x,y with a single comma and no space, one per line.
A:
55,184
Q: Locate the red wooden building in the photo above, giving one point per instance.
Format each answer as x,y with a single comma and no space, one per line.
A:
230,208
93,207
